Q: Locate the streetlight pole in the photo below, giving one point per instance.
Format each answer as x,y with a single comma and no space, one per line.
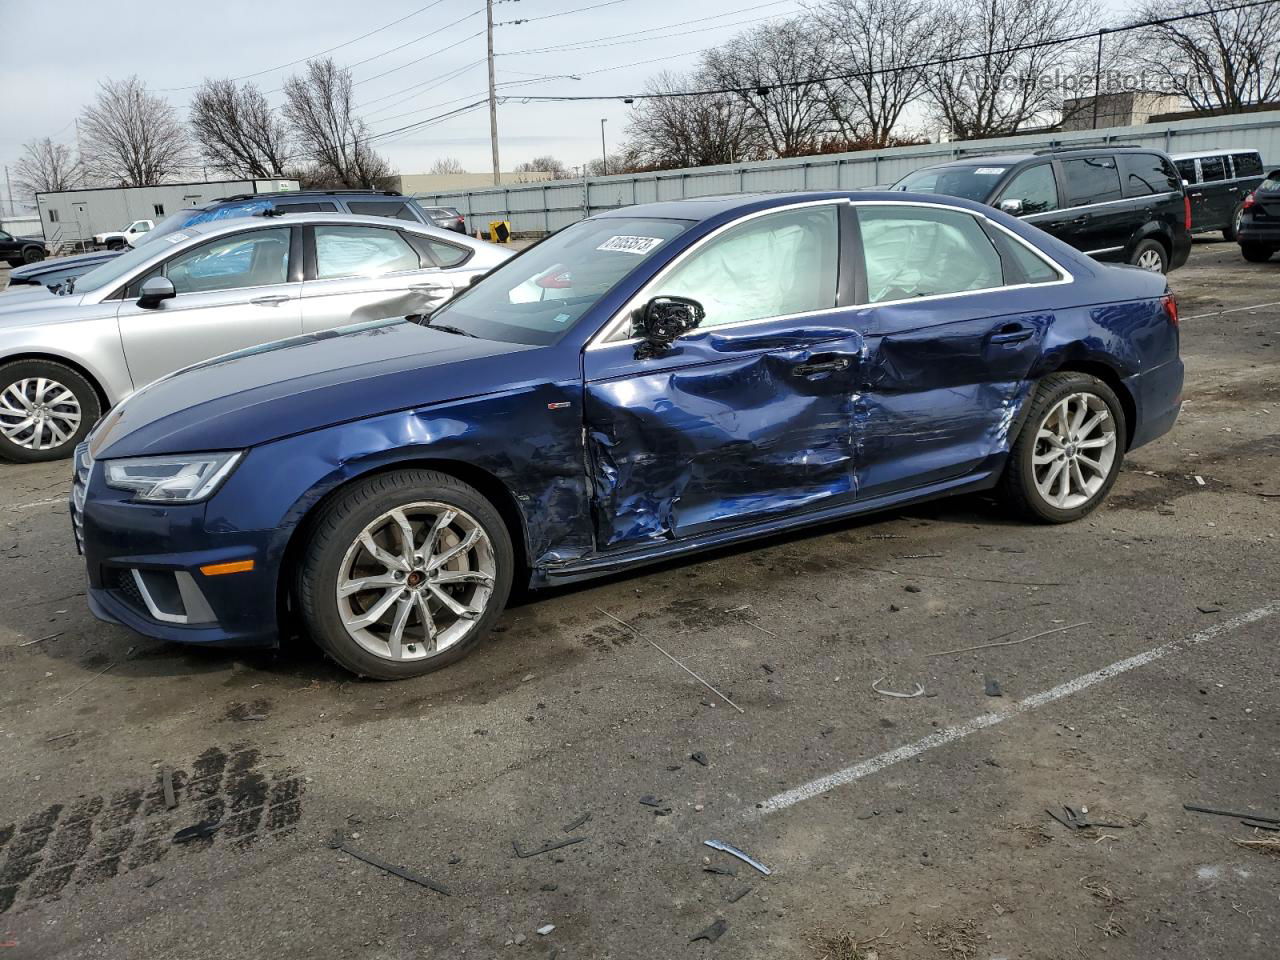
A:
493,99
604,154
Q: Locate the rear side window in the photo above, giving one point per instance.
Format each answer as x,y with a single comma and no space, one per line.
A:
1186,170
918,252
446,254
1091,180
1213,168
1147,173
361,252
1020,264
318,206
1247,164
1036,187
392,209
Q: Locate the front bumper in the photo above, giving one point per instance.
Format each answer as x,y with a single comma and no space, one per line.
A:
143,563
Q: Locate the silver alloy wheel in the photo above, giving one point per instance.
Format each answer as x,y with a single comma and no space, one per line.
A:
1150,260
38,413
1075,449
415,581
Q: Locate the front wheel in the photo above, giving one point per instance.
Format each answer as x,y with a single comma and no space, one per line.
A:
1230,231
1150,255
46,408
1069,451
32,255
404,573
1256,252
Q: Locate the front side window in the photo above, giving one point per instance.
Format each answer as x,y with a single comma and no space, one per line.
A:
1247,164
771,266
139,226
1213,168
392,209
5,236
1091,180
256,259
1146,173
1036,187
362,252
914,252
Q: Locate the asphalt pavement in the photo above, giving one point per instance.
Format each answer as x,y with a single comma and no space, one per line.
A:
1126,664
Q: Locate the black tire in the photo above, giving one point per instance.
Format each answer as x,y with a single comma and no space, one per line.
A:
1017,485
1232,228
1148,248
32,255
336,528
85,395
115,244
1256,252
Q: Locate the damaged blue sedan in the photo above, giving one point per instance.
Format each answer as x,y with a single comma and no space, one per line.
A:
646,383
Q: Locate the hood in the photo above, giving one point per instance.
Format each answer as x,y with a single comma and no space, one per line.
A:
58,264
27,304
306,383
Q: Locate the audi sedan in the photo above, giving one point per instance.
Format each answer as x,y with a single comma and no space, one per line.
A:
67,354
649,382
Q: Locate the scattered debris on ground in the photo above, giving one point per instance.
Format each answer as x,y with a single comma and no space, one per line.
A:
199,831
713,932
1008,643
1215,811
575,824
956,939
1262,845
1101,892
918,692
700,758
992,686
166,784
735,852
525,854
338,843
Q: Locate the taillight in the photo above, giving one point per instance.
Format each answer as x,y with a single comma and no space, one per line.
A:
1186,210
1249,201
1170,304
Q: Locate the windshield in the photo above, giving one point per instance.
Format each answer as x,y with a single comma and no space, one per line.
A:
113,270
537,297
971,183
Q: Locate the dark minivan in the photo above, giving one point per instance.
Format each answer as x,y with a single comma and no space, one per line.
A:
1217,182
1121,204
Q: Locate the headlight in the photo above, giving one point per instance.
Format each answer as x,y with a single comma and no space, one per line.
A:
183,478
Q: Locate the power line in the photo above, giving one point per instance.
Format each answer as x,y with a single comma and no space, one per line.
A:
562,13
294,63
409,43
425,85
762,88
377,76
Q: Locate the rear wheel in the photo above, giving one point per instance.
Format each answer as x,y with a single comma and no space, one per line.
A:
32,255
1150,255
405,573
46,408
1256,252
1069,451
1233,227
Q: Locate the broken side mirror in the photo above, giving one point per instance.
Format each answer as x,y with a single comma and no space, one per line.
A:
1012,206
663,319
154,291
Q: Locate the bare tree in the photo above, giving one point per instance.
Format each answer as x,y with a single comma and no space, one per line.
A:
996,89
1226,60
774,69
132,137
447,165
45,166
877,45
667,132
336,142
545,164
237,131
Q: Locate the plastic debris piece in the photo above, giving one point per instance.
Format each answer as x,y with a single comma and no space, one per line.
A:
574,825
735,897
395,871
166,782
525,854
918,692
545,929
713,932
198,831
993,687
735,852
699,757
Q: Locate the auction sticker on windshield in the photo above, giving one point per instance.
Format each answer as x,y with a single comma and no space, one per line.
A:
637,245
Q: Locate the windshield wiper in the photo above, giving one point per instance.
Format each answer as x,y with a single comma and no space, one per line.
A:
426,322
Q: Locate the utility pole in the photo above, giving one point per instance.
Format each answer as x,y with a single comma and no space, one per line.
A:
1097,81
8,192
493,98
604,154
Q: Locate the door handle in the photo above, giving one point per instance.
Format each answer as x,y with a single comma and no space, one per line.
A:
1080,220
270,301
1197,196
1012,333
823,366
429,288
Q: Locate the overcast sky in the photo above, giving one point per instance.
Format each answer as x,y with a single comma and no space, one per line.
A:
53,55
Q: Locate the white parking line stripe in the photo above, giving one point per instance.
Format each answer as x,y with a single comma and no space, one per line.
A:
820,786
37,503
1218,313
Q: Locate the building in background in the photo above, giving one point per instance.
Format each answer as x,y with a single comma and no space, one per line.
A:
1126,109
413,183
69,218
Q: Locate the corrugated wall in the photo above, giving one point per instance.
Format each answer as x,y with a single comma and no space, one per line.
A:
540,208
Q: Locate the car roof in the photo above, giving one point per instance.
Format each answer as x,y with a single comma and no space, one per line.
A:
214,228
704,208
1211,153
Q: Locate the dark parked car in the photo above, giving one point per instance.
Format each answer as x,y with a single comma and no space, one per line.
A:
1117,204
1217,183
447,218
20,250
1259,230
648,382
368,203
53,273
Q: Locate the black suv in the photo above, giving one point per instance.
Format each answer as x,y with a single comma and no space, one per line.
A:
19,250
366,203
1259,226
1122,204
1217,182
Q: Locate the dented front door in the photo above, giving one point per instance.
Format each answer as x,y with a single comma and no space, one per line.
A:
726,428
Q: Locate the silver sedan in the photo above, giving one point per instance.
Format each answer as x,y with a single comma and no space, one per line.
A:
210,289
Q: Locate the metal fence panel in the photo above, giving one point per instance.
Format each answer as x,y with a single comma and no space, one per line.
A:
542,207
